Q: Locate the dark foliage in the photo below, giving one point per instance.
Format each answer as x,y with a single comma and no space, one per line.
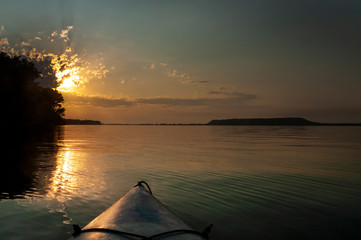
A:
23,102
81,122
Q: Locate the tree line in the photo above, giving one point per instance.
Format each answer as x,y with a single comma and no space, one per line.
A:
23,102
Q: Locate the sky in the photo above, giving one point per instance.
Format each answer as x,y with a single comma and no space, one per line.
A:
191,61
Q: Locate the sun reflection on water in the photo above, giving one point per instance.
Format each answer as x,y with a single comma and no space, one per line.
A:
74,175
64,181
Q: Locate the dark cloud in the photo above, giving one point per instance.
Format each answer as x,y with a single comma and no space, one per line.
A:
222,91
172,101
160,101
97,101
234,94
189,81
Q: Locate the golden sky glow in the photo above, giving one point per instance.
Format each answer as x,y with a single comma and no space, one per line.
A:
68,78
66,71
194,61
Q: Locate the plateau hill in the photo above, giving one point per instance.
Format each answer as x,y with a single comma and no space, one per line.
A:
266,122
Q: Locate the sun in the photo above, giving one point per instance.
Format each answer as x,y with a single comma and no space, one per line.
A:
67,84
70,71
68,79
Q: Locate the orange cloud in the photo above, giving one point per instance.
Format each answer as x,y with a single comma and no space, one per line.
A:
4,41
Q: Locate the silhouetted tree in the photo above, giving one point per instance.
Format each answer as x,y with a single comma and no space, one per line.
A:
23,103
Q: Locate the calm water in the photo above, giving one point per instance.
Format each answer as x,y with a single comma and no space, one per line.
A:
250,182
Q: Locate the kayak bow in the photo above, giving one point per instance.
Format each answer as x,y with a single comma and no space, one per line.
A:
138,215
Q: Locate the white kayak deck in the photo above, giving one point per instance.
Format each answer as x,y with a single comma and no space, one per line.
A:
137,212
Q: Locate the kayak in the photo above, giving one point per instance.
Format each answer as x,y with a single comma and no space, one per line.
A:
138,215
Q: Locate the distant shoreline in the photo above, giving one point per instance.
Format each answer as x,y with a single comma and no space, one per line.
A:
155,124
275,122
246,122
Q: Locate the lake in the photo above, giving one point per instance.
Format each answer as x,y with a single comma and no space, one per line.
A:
251,182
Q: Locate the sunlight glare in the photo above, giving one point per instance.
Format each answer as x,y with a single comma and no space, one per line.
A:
71,71
68,79
70,177
64,178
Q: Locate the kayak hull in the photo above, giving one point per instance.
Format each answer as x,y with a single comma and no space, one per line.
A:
138,213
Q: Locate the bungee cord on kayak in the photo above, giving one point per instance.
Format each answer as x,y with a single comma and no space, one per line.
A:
204,233
140,183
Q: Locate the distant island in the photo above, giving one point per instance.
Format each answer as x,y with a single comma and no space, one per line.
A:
81,122
276,122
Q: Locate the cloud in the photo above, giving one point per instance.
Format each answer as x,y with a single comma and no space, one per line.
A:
23,43
184,77
232,93
96,101
222,91
189,81
55,67
127,102
105,102
63,34
172,101
181,77
173,73
4,41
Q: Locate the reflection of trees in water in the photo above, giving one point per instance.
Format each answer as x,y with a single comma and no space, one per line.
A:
30,113
27,162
